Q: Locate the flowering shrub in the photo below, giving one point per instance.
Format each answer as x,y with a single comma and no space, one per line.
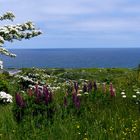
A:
15,32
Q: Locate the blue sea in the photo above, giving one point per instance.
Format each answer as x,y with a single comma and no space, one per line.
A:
74,58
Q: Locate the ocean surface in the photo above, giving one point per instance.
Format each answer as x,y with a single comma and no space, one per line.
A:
73,58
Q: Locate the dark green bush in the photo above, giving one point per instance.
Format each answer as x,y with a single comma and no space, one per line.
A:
3,85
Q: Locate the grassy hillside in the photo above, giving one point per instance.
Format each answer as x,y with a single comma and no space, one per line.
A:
61,104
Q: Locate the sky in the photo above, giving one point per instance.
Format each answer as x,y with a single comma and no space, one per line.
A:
78,23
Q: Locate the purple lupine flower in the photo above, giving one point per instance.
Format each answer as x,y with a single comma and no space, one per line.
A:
90,86
76,87
36,90
46,94
38,96
19,100
112,90
84,88
65,101
45,91
95,86
74,97
46,99
77,102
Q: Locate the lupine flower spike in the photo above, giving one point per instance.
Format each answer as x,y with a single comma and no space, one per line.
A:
77,102
76,86
19,100
112,90
36,90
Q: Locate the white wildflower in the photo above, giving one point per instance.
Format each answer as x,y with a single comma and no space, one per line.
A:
124,96
80,90
134,96
137,92
122,93
137,103
86,93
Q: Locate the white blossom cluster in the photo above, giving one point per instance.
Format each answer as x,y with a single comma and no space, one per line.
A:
49,87
6,52
123,94
7,15
26,79
15,32
5,98
34,79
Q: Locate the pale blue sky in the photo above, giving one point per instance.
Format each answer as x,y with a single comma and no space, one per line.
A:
78,23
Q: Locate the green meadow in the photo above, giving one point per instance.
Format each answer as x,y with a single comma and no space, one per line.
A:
71,104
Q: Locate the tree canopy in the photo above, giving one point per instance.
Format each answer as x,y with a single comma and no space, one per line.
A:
10,33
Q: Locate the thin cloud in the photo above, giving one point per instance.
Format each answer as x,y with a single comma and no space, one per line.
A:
80,18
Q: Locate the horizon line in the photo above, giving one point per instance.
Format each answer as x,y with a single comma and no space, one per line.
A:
76,48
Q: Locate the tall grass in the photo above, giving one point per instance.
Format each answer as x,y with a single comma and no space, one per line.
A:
99,117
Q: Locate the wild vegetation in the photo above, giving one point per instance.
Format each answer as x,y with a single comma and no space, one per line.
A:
71,104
